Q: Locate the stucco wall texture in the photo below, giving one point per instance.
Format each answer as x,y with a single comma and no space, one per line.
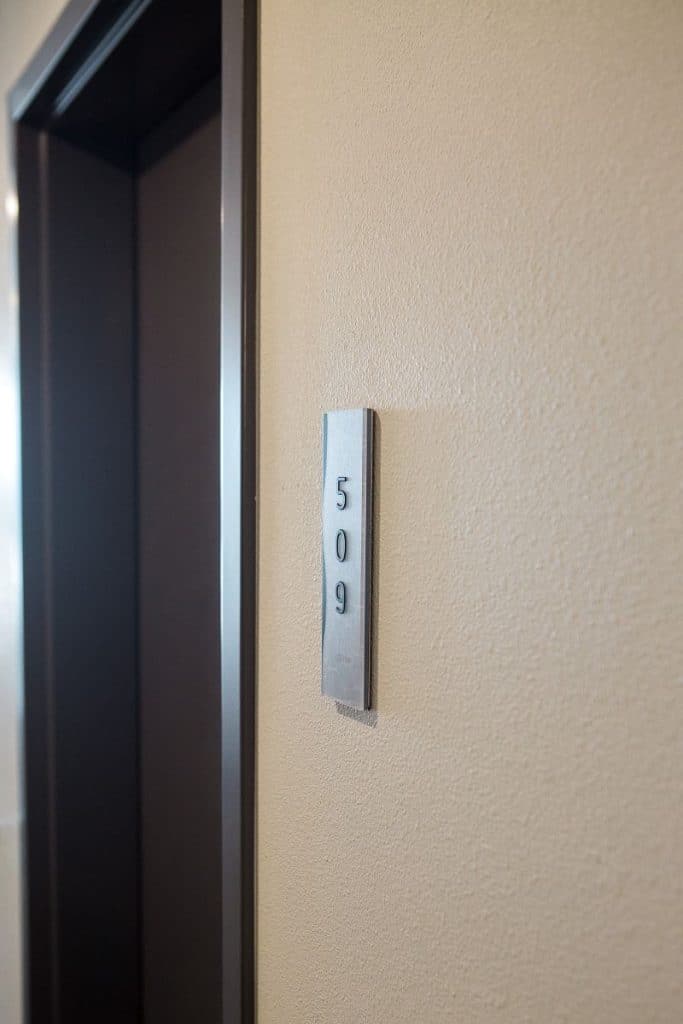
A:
471,217
471,220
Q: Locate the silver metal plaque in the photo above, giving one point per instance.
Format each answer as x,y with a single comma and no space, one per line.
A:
347,555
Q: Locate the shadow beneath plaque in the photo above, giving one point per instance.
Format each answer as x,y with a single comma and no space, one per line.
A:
364,717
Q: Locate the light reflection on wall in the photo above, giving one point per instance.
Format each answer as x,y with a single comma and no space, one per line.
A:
11,206
9,440
10,463
11,690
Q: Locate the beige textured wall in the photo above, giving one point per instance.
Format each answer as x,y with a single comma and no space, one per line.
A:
471,219
23,23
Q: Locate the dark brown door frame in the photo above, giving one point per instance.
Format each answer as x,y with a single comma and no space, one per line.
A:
85,35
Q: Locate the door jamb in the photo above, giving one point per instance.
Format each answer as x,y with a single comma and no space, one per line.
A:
238,438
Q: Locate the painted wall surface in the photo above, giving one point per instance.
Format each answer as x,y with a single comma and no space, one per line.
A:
23,23
471,220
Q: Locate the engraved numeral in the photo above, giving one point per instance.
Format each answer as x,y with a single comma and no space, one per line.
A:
341,494
340,591
341,545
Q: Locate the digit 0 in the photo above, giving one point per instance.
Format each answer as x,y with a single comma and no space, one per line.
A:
341,546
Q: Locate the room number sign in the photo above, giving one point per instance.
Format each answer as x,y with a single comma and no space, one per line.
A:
347,555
